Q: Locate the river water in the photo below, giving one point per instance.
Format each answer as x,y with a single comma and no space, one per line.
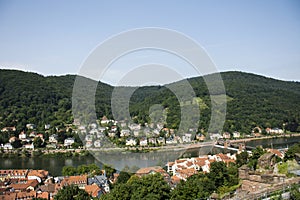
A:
53,165
276,143
120,160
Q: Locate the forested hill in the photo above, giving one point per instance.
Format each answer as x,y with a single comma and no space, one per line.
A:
252,101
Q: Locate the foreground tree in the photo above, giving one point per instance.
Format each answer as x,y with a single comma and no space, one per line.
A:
295,193
109,170
290,154
197,186
148,187
123,177
72,192
242,158
256,154
69,171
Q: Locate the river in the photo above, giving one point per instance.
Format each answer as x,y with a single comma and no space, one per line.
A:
120,160
53,165
276,143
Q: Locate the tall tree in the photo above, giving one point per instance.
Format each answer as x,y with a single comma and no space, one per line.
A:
147,187
71,192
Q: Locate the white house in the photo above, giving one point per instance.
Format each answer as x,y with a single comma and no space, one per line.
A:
111,134
97,143
226,135
106,187
143,141
187,137
130,142
134,126
170,141
114,128
47,126
29,146
215,136
22,136
68,142
136,133
161,140
89,144
105,121
93,125
53,138
101,129
275,131
236,134
88,138
8,146
30,126
125,133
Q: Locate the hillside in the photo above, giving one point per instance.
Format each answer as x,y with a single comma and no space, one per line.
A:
252,101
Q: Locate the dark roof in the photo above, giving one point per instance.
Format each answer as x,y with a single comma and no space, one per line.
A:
99,180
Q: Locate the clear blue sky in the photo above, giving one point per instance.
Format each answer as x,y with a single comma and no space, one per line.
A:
55,37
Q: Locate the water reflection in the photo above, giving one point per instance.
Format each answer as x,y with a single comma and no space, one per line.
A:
68,162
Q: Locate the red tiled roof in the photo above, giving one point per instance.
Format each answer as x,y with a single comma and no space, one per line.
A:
200,162
189,164
23,186
175,179
185,173
93,190
8,196
38,173
6,171
43,195
20,172
75,180
148,170
171,163
180,161
48,188
276,152
227,161
223,156
26,195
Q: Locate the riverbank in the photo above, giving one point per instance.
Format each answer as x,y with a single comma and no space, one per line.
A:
83,152
44,153
265,137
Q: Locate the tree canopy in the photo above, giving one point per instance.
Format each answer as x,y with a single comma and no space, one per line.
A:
71,192
147,187
199,186
252,101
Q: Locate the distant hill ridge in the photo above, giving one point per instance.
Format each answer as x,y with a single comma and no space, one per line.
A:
253,100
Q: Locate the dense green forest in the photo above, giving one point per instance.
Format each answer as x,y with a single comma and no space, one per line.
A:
252,100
